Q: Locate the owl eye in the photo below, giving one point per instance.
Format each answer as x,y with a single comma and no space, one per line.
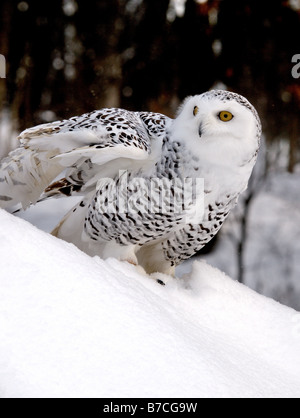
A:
225,116
196,110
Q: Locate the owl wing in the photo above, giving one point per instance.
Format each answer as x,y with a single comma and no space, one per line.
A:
77,147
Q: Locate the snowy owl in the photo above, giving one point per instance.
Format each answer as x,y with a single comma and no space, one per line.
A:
137,173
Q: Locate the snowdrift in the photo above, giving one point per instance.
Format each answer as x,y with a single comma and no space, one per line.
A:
76,326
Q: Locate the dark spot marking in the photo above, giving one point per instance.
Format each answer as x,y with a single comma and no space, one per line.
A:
5,198
161,282
204,229
66,191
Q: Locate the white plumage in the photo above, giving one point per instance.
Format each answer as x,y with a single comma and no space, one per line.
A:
136,172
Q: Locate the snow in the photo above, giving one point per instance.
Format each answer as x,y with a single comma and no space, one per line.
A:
75,326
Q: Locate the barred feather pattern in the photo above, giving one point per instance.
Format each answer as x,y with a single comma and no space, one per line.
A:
88,155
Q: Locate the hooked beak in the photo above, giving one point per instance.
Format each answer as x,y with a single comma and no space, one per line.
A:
201,129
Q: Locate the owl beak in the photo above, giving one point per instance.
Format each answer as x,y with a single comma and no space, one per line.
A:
201,130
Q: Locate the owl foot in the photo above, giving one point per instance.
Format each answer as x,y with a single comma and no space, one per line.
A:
162,279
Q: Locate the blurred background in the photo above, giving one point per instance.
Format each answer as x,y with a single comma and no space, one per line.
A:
67,57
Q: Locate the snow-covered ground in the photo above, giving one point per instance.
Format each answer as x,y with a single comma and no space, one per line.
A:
76,326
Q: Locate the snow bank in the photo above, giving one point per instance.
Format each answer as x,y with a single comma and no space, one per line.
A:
75,326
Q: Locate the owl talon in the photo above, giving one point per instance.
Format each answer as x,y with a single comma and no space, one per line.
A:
161,282
133,263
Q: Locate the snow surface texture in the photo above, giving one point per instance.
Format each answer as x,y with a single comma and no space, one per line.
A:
76,326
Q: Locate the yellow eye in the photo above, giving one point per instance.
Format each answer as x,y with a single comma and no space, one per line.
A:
225,116
196,110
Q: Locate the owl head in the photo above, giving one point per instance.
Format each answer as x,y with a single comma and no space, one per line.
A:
219,127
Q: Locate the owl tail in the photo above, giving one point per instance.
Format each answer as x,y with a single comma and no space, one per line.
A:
24,175
71,227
